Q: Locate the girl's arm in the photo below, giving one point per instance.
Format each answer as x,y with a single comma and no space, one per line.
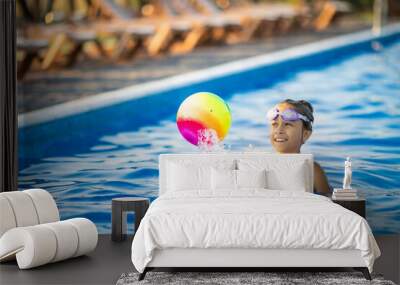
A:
321,184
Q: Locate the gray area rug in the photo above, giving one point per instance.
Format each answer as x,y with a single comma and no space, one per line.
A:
228,278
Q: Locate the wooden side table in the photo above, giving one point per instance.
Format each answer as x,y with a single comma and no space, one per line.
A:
119,208
355,205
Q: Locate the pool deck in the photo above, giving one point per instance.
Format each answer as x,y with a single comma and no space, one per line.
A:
42,89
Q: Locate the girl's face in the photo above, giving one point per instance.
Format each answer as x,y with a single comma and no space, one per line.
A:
287,137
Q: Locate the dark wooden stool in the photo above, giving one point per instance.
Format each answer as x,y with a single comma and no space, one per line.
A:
119,207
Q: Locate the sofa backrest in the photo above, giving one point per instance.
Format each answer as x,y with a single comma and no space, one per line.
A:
284,170
26,208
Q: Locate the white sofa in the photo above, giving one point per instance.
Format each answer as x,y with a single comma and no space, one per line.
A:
31,231
173,233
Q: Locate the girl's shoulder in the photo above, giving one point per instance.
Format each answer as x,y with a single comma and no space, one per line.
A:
320,180
318,170
316,164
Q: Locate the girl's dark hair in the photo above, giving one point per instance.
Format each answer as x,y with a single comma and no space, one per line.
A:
303,107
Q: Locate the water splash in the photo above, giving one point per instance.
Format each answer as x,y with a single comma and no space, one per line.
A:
250,148
384,57
208,141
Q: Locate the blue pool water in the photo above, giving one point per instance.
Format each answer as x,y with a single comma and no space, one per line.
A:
87,160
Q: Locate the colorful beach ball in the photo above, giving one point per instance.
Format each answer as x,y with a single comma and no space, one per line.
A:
202,114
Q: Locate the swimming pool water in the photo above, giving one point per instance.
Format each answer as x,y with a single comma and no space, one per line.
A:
356,102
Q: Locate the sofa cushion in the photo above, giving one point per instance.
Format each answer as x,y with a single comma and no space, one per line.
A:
45,205
26,208
23,208
7,220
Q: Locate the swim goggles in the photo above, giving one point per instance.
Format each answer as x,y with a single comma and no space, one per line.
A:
286,115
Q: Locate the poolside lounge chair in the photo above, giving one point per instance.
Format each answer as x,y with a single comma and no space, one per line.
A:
274,18
81,33
153,34
329,10
230,27
186,41
132,39
110,10
76,33
31,49
80,39
132,33
263,20
58,35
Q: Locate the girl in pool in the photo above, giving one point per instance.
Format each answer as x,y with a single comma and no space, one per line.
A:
291,126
